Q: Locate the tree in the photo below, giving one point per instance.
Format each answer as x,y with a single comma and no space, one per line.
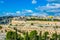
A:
5,30
19,37
40,35
33,35
54,36
26,36
1,31
12,36
45,36
59,36
10,24
0,27
32,24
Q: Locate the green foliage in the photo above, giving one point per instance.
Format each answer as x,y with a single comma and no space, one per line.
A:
19,37
41,19
12,36
40,26
59,36
32,24
45,35
0,27
40,35
26,36
33,35
10,24
54,36
1,31
5,30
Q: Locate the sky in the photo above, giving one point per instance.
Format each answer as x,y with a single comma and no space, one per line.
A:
29,7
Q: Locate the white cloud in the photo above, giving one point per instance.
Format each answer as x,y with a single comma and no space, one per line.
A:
40,14
9,14
54,11
53,8
50,0
53,1
50,8
30,11
34,1
18,12
1,1
27,11
53,5
57,14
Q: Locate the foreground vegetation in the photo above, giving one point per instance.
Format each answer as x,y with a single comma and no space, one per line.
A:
43,19
33,35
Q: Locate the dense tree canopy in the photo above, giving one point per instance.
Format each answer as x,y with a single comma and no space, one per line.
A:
12,36
33,35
